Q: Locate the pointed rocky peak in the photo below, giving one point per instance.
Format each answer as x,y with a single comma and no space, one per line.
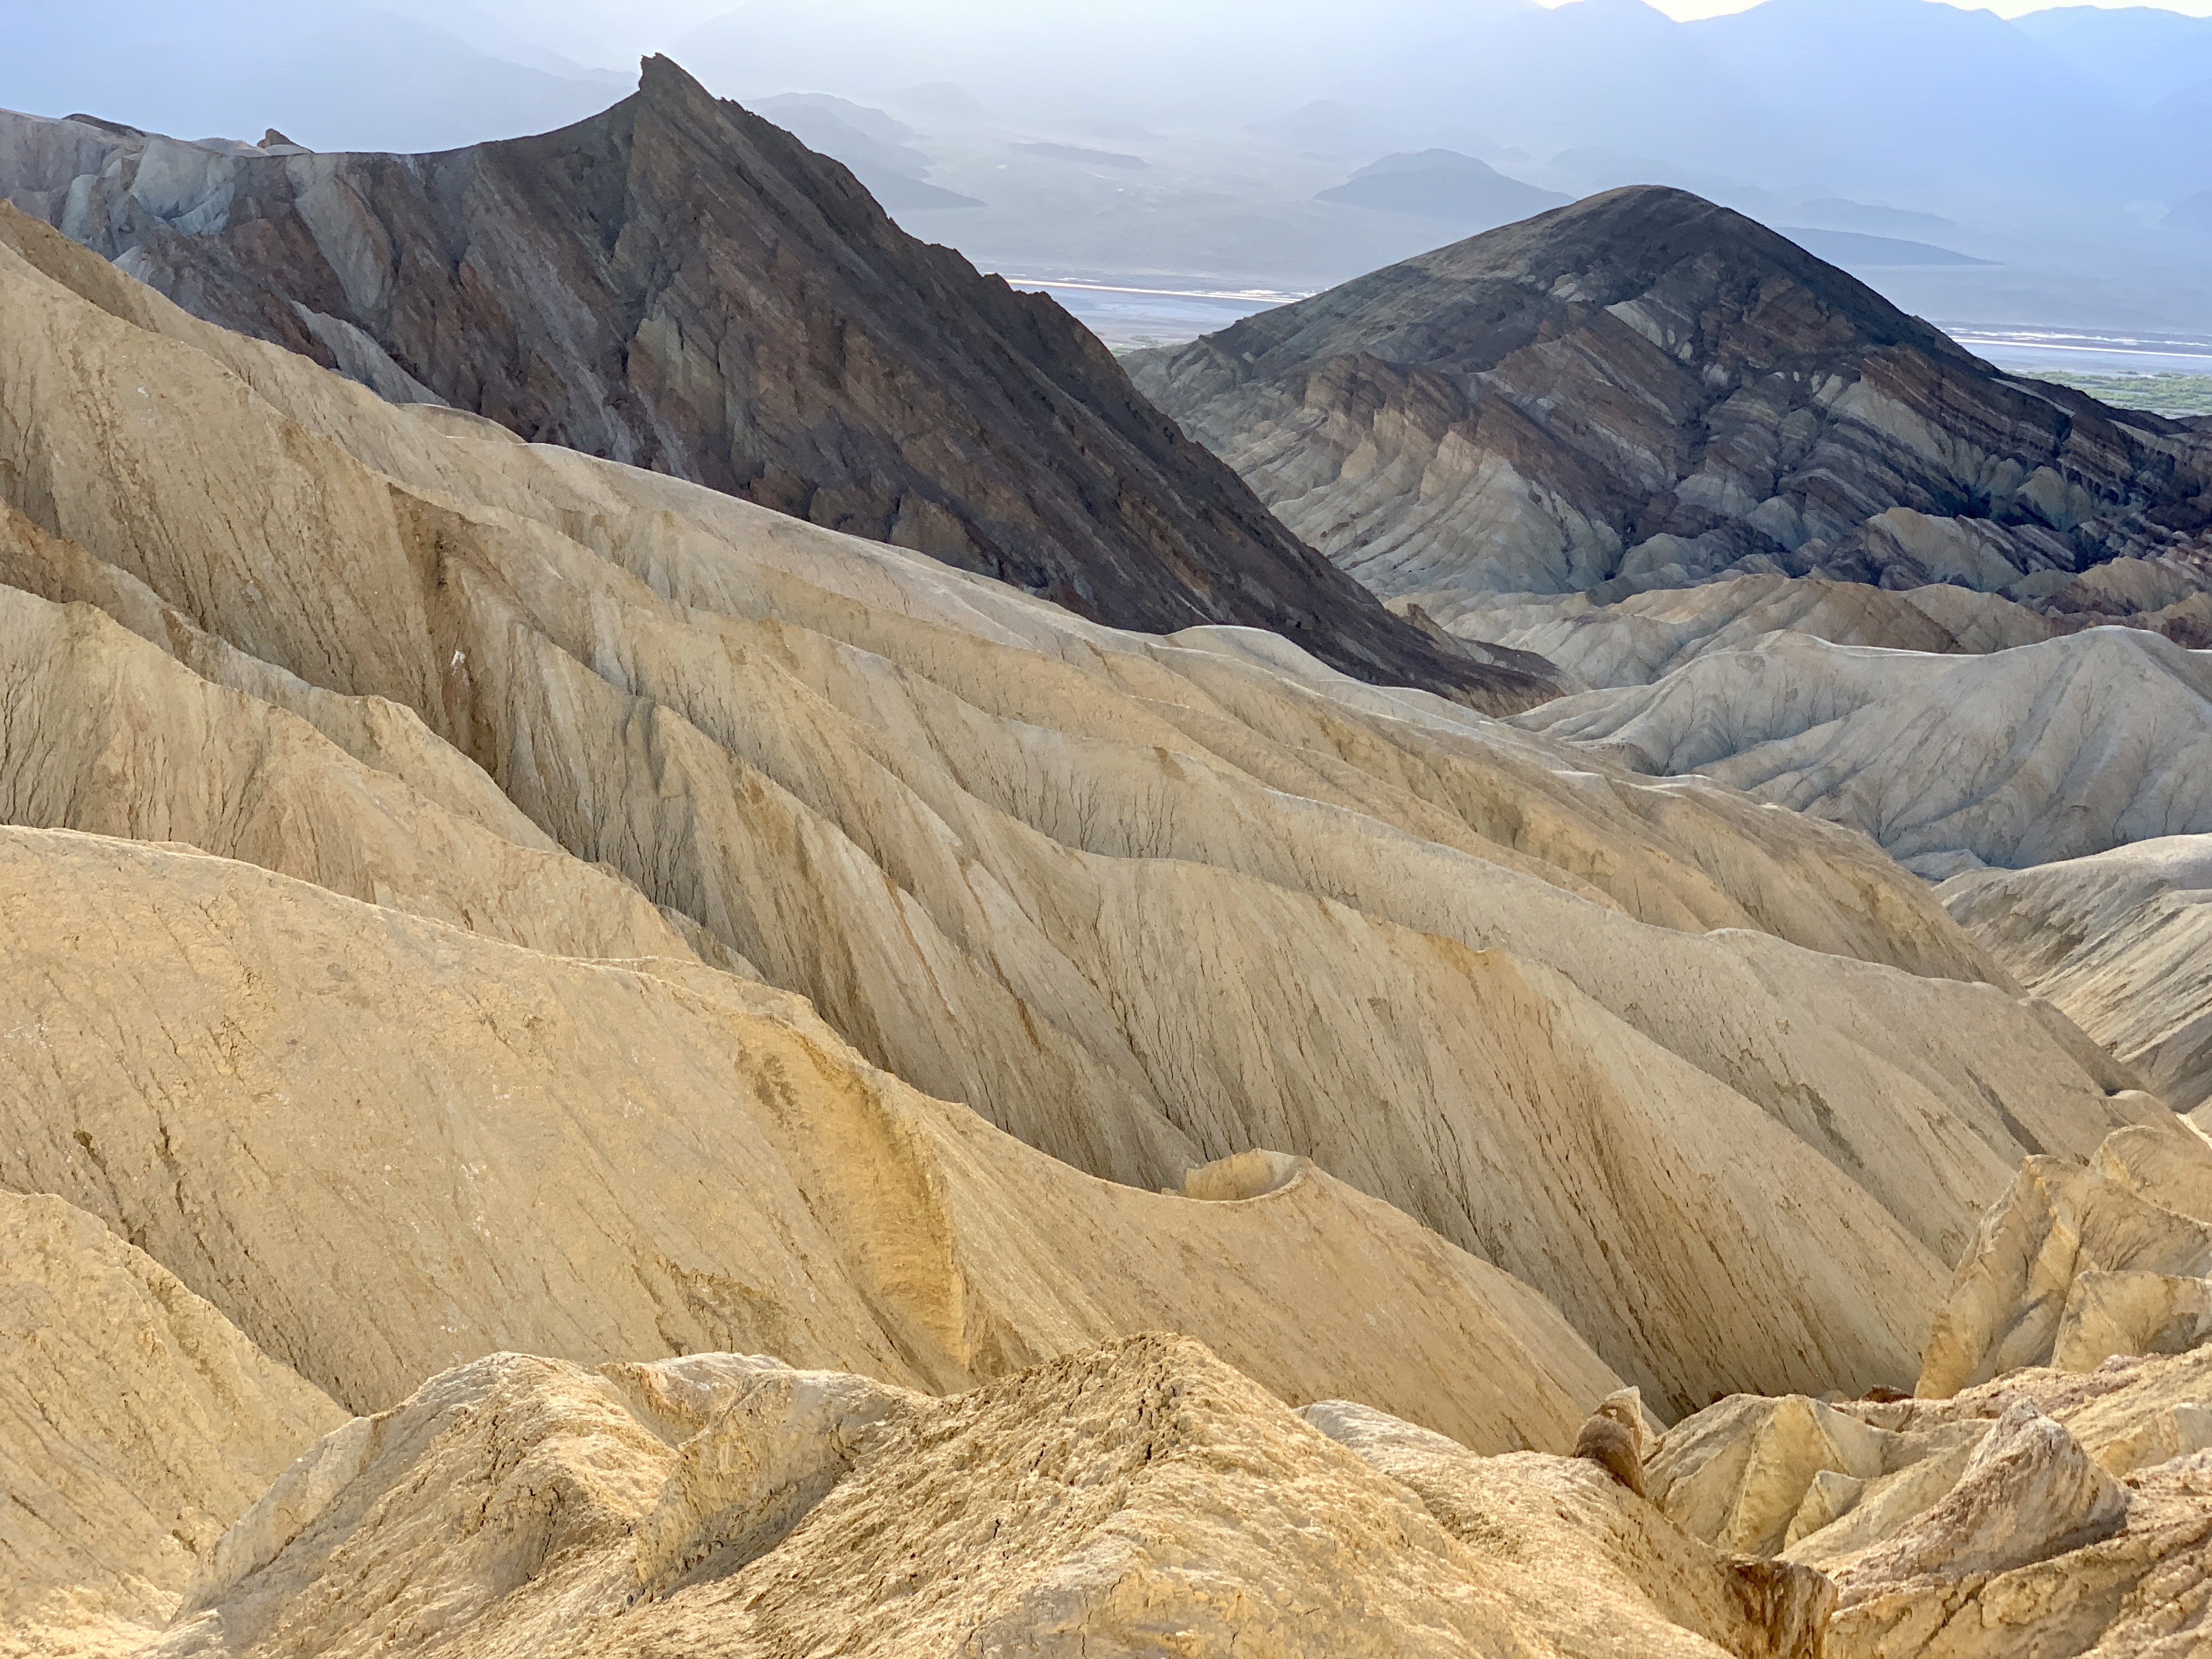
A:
662,81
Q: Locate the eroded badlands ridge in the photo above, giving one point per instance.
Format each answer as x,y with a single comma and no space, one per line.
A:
423,849
2057,750
680,285
1591,1029
1644,390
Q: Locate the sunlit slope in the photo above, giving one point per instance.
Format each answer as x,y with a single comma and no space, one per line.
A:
1721,1081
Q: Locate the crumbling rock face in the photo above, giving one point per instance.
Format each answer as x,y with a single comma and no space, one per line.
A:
2077,1264
2027,1492
678,285
135,1424
1105,1503
1541,1520
1644,390
2070,1510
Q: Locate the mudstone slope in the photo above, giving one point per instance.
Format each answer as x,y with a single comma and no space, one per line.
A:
1071,877
501,942
2054,750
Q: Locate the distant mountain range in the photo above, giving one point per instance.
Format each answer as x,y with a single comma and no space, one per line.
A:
339,75
1789,92
1443,185
869,142
2061,145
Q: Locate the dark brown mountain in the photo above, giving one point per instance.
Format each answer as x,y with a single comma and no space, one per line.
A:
1644,390
678,284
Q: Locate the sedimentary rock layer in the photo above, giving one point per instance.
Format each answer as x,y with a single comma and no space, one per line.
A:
2077,1507
1644,390
1642,639
2047,752
386,1146
2077,1264
677,284
2122,941
1118,1500
1594,1029
136,1423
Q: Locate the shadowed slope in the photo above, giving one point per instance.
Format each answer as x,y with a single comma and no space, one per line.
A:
679,285
1642,390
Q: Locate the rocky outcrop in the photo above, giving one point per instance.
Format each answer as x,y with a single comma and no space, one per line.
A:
2048,751
2078,1506
136,1423
1601,1561
1102,1503
2078,1263
1642,390
2122,941
679,285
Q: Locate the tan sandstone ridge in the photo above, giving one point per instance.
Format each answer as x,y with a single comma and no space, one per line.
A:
2120,941
2077,1264
2047,752
1142,1496
2042,1513
1139,1497
390,1147
1594,1029
135,1424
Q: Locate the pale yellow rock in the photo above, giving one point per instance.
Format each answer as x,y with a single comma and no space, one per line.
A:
387,1146
102,733
1643,638
2036,1543
1601,1030
135,1424
2047,752
2131,1312
1603,1570
2121,941
2028,1492
2044,1512
1737,1474
2067,1268
1133,1499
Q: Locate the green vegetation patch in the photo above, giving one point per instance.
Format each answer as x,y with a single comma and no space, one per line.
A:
2161,394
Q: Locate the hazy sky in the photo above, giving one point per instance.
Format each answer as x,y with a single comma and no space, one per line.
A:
2002,8
596,32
